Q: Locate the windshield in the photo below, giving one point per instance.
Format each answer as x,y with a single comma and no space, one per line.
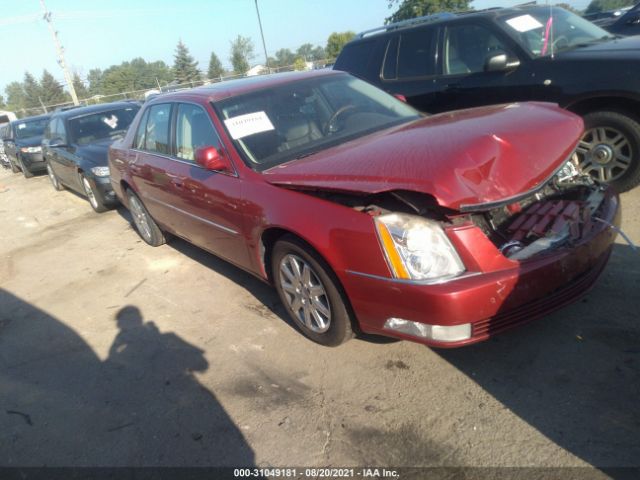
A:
109,124
31,128
548,30
279,124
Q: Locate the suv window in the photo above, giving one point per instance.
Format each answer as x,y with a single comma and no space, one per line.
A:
358,56
467,47
193,130
416,57
157,129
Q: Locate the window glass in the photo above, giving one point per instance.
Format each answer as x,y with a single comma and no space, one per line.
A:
193,130
31,128
282,123
157,130
138,142
109,124
467,48
357,56
417,54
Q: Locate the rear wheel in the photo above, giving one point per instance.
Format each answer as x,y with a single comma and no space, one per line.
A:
54,178
610,149
310,293
94,201
146,226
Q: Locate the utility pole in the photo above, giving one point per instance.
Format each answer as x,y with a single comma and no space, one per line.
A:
60,50
264,45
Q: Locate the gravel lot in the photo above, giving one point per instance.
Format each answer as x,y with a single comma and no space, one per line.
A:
115,353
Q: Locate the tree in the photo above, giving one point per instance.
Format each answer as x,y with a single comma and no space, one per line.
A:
51,91
336,41
16,99
305,51
81,90
215,67
134,75
32,91
568,7
2,104
185,68
284,57
604,5
318,53
241,54
407,9
299,64
94,78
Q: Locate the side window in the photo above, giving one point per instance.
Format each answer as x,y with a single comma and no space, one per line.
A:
356,58
193,130
417,56
467,48
61,131
157,131
138,142
49,130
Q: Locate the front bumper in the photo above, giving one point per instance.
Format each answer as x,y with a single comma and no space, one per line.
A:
492,301
34,162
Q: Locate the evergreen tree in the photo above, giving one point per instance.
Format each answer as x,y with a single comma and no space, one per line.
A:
94,77
215,67
241,54
417,8
51,91
81,90
16,99
32,91
185,68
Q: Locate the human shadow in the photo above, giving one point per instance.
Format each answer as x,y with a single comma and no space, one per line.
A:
574,375
61,405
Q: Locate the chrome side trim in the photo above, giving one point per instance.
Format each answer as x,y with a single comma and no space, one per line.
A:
196,217
436,281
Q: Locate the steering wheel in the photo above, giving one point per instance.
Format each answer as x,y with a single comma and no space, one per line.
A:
330,127
558,42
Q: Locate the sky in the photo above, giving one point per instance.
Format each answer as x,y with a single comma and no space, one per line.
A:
97,34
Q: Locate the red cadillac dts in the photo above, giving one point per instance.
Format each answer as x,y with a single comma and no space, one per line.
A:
366,215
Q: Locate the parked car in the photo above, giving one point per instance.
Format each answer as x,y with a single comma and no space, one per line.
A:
4,133
366,215
452,61
22,145
75,147
622,22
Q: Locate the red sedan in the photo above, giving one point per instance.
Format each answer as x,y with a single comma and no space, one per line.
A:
366,215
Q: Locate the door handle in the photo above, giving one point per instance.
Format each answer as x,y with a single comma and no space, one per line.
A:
179,185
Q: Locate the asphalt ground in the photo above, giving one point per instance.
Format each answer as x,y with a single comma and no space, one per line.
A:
114,353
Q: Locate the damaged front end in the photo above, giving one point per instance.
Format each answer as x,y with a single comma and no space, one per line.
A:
560,213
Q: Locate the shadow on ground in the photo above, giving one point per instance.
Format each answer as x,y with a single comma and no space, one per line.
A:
574,375
62,406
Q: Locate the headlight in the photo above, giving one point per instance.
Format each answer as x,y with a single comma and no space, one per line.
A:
31,149
100,171
417,248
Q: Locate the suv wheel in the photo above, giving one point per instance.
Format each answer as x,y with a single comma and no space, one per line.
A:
610,149
25,171
310,293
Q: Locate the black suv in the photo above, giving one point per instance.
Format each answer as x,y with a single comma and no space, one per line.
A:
452,61
75,148
22,145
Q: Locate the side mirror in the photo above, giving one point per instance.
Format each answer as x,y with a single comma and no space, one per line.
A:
212,159
500,62
400,97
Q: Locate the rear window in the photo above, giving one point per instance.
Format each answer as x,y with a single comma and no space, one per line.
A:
356,58
110,124
31,128
417,54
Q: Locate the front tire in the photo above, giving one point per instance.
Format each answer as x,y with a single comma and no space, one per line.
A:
25,171
14,167
610,149
146,226
310,292
55,181
94,201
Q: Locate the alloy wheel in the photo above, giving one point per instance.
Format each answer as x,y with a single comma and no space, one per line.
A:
52,177
305,294
140,217
89,191
605,153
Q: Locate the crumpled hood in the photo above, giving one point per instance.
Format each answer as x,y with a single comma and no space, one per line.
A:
461,158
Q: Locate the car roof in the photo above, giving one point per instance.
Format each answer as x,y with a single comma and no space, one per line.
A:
445,17
101,107
231,88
